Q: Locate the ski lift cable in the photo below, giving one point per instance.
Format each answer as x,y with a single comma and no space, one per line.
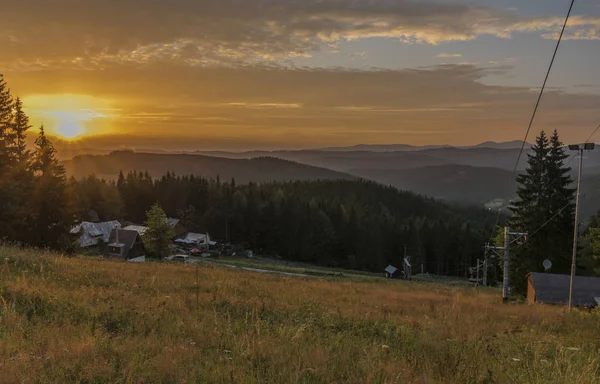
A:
537,104
573,156
543,225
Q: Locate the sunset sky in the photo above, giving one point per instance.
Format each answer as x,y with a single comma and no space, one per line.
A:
265,74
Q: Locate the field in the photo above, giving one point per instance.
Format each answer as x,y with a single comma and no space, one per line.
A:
90,320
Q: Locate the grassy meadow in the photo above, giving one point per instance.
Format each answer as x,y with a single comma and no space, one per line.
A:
88,320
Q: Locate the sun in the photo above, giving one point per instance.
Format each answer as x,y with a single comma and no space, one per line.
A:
69,116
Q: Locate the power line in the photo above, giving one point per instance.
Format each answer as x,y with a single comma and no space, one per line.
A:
537,104
546,223
593,133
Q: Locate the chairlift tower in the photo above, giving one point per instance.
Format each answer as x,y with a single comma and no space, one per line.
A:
507,236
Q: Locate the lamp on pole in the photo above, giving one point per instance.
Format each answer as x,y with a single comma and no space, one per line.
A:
579,148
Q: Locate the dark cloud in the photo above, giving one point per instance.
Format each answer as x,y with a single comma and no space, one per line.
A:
91,33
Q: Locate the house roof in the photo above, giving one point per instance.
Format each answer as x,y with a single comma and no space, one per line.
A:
138,228
391,269
554,289
173,222
191,237
91,232
126,237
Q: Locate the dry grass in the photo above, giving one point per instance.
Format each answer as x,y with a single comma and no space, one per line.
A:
94,321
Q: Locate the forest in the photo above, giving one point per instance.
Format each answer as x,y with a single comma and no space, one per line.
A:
339,223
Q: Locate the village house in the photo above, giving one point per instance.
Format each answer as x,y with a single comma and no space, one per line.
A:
125,244
90,234
547,288
174,223
196,240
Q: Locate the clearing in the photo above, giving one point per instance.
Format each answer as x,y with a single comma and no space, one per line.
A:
97,321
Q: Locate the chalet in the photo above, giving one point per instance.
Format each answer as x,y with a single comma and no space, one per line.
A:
91,233
547,288
125,244
174,223
190,239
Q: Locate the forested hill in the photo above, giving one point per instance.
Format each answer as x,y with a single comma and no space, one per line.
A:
258,170
342,223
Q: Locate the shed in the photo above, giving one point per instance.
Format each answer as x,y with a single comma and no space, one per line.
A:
90,233
547,288
125,244
391,272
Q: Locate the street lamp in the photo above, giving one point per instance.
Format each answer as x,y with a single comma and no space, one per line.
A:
579,148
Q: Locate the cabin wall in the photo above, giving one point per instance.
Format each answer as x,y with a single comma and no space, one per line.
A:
530,291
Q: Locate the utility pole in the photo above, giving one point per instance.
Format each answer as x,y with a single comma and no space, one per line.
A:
579,148
485,267
506,258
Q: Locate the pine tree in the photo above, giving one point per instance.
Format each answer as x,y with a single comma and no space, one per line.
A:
543,190
159,232
49,211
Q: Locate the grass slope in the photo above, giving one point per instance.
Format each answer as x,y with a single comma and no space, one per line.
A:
95,321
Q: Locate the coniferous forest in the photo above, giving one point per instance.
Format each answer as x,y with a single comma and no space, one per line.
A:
349,224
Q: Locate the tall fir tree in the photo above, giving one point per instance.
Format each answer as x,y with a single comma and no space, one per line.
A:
22,181
543,191
49,206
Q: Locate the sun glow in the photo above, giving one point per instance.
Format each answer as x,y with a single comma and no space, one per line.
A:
68,115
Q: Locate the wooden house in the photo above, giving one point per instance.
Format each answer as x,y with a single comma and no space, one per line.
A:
547,288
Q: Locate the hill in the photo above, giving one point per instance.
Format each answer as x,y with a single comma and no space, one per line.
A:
243,170
459,183
90,320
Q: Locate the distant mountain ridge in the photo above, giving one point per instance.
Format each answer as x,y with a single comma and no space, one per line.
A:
406,147
263,169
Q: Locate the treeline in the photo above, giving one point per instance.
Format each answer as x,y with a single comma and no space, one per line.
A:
34,202
349,224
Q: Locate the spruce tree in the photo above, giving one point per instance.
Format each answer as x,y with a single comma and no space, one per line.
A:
21,176
49,206
560,201
6,121
543,190
8,206
20,127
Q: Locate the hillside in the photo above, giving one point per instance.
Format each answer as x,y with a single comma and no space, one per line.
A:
89,320
337,223
458,183
243,170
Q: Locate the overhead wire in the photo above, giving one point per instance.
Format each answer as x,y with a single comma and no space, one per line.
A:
572,157
537,104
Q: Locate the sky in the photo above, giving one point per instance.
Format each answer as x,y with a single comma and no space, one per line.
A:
270,74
